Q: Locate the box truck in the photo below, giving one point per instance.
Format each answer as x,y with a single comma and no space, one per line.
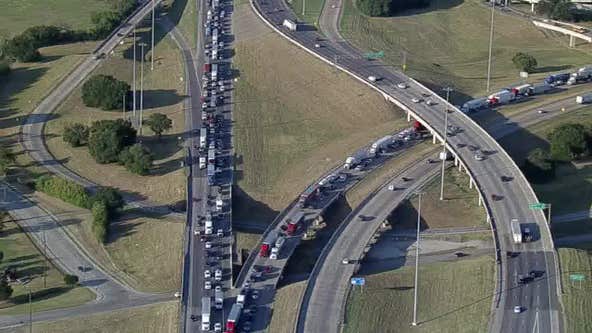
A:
291,25
233,318
275,251
205,313
203,132
516,231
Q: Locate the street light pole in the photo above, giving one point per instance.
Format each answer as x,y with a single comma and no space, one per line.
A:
414,323
490,44
123,109
141,87
443,155
303,6
152,49
134,82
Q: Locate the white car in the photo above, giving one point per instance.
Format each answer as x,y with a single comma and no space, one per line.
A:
220,233
217,327
401,85
479,157
208,245
202,162
255,294
345,261
541,111
218,275
429,102
415,100
196,232
204,105
391,187
517,309
221,88
317,45
208,285
207,274
178,294
372,78
218,288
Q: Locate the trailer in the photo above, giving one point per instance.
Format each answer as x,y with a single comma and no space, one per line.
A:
219,299
203,135
291,25
309,195
207,67
516,231
501,97
214,72
206,307
293,223
381,144
211,171
584,99
557,79
267,244
583,74
539,88
233,318
357,158
474,105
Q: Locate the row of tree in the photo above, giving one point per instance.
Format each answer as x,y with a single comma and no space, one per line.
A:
25,46
567,142
389,7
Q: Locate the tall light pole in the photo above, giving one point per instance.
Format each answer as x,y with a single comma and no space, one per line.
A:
443,154
490,44
30,306
134,82
141,87
414,323
152,49
303,7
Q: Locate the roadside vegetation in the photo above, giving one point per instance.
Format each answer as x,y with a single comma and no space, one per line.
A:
295,118
447,44
453,297
159,318
21,259
576,297
285,307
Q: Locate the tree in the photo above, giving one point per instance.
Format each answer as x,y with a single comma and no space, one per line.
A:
107,138
70,279
75,134
136,159
555,9
389,7
524,62
569,142
159,123
110,196
100,225
105,92
104,22
7,158
5,290
538,166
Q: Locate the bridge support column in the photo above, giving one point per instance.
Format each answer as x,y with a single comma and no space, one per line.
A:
470,182
480,200
408,116
532,7
456,161
572,41
459,167
433,138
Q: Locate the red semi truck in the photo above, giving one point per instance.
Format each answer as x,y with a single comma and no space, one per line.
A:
207,67
418,127
293,223
233,318
267,244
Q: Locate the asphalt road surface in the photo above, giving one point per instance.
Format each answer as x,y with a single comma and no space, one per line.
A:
539,300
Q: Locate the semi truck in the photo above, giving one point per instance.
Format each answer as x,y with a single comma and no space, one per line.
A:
356,159
275,251
583,99
381,144
233,318
557,79
211,155
219,299
309,195
211,173
501,97
291,25
267,244
583,74
214,72
474,105
203,136
205,313
522,89
516,231
539,88
293,223
215,36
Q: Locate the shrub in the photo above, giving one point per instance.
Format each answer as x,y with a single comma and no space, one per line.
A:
159,123
538,166
107,138
75,135
136,159
100,225
110,197
63,189
23,47
5,290
524,62
105,92
555,9
569,142
70,279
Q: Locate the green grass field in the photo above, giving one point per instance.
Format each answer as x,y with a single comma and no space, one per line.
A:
295,118
577,299
312,9
184,13
447,44
159,318
460,207
453,297
18,15
21,253
285,303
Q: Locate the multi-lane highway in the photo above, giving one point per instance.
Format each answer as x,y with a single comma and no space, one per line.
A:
474,149
210,146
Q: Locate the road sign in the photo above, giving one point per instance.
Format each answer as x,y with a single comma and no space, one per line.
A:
537,206
577,277
374,55
358,281
524,75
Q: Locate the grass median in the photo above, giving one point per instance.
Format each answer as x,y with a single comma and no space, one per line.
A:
452,297
577,295
447,44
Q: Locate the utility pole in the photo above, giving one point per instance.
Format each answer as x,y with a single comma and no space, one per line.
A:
443,154
414,323
134,83
152,49
123,109
490,44
46,259
303,7
141,88
30,311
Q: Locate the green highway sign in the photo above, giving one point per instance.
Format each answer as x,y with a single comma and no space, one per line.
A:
537,206
374,55
577,277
